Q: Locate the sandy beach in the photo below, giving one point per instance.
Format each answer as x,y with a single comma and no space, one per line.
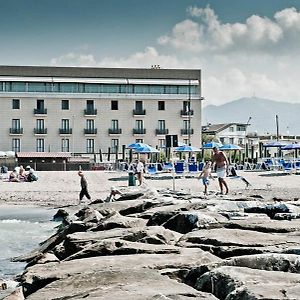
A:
54,189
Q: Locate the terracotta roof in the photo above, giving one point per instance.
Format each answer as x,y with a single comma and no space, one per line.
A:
43,154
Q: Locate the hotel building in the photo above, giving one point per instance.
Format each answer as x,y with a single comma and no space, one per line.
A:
82,110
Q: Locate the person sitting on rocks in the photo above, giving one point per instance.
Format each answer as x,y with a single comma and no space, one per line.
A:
113,192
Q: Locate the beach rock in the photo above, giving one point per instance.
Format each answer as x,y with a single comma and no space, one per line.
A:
121,247
118,221
17,294
268,262
60,215
264,224
161,217
119,284
40,276
225,242
272,209
43,258
237,283
187,221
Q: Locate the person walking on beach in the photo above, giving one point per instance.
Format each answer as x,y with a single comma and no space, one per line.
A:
84,187
140,171
206,175
221,162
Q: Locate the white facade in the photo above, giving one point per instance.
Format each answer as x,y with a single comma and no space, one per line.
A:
83,110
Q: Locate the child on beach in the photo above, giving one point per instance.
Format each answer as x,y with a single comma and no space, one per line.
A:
84,187
206,175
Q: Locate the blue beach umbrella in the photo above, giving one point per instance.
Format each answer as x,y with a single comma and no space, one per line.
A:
137,145
186,148
211,145
145,149
230,147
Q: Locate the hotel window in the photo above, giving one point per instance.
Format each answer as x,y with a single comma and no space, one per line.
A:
185,124
65,145
16,145
90,105
65,104
139,141
241,141
114,124
186,106
40,145
40,104
16,103
114,105
16,124
231,129
161,124
139,105
231,140
222,140
186,141
139,124
90,146
114,145
161,105
40,124
161,143
90,124
65,124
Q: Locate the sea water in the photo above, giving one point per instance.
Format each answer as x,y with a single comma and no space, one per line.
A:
21,231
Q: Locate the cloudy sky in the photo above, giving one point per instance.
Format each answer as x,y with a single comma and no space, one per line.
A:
244,48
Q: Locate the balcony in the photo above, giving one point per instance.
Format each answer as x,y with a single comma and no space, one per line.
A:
185,113
17,131
90,112
40,130
115,131
65,131
90,131
161,131
139,131
187,131
139,112
40,111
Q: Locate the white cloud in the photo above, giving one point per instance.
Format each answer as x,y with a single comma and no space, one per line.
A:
258,56
74,59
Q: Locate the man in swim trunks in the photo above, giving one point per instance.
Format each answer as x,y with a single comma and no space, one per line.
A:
220,160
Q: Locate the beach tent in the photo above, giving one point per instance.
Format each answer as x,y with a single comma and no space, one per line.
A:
294,146
276,144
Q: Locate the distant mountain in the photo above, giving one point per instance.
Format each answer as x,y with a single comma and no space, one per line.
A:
262,112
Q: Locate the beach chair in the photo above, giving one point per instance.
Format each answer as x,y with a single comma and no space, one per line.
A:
179,168
193,168
151,170
167,167
201,165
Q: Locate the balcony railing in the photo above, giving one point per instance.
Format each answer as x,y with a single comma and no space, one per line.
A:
115,131
162,131
139,112
139,131
187,131
90,112
40,130
185,113
40,111
65,131
16,130
90,131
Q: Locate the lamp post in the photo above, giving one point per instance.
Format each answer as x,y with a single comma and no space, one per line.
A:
73,132
246,144
189,114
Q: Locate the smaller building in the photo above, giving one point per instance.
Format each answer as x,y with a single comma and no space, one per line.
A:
227,133
44,161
